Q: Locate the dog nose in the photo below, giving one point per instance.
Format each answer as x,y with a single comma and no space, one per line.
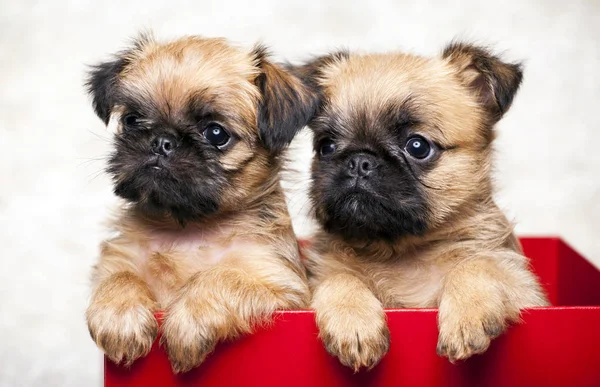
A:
362,165
164,145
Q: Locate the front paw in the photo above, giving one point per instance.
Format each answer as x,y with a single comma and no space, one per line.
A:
190,332
357,340
123,333
463,336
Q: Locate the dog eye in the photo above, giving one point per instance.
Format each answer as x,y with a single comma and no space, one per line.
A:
418,147
326,147
216,135
132,119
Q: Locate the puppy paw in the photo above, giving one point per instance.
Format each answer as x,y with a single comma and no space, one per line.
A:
190,333
123,333
463,336
358,341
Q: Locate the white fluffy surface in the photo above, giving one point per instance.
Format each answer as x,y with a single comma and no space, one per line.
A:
53,197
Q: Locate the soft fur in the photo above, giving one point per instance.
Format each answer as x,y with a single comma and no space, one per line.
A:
408,232
204,232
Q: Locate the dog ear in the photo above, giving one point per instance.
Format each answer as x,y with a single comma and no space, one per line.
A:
287,104
102,85
103,79
494,81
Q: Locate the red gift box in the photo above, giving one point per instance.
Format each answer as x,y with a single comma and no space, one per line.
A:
554,346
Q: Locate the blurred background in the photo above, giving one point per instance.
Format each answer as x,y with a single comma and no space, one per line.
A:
54,195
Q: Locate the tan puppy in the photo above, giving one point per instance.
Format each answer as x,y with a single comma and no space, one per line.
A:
401,187
205,232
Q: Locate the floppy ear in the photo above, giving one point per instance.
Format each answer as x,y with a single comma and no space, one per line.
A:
102,84
286,106
103,79
494,82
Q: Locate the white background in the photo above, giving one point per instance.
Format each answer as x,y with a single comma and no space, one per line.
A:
53,196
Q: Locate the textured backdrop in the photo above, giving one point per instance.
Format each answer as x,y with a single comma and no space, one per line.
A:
53,196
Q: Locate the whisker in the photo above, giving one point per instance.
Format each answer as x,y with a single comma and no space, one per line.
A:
103,138
86,161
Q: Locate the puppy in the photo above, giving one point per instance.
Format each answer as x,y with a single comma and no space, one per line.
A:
204,232
401,188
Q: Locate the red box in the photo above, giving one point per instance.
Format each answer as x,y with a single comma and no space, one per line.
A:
555,346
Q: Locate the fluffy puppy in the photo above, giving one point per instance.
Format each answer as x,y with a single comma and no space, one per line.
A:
401,188
204,232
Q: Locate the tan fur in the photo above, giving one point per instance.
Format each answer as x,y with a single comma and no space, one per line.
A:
468,264
351,320
170,74
216,278
228,300
120,317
